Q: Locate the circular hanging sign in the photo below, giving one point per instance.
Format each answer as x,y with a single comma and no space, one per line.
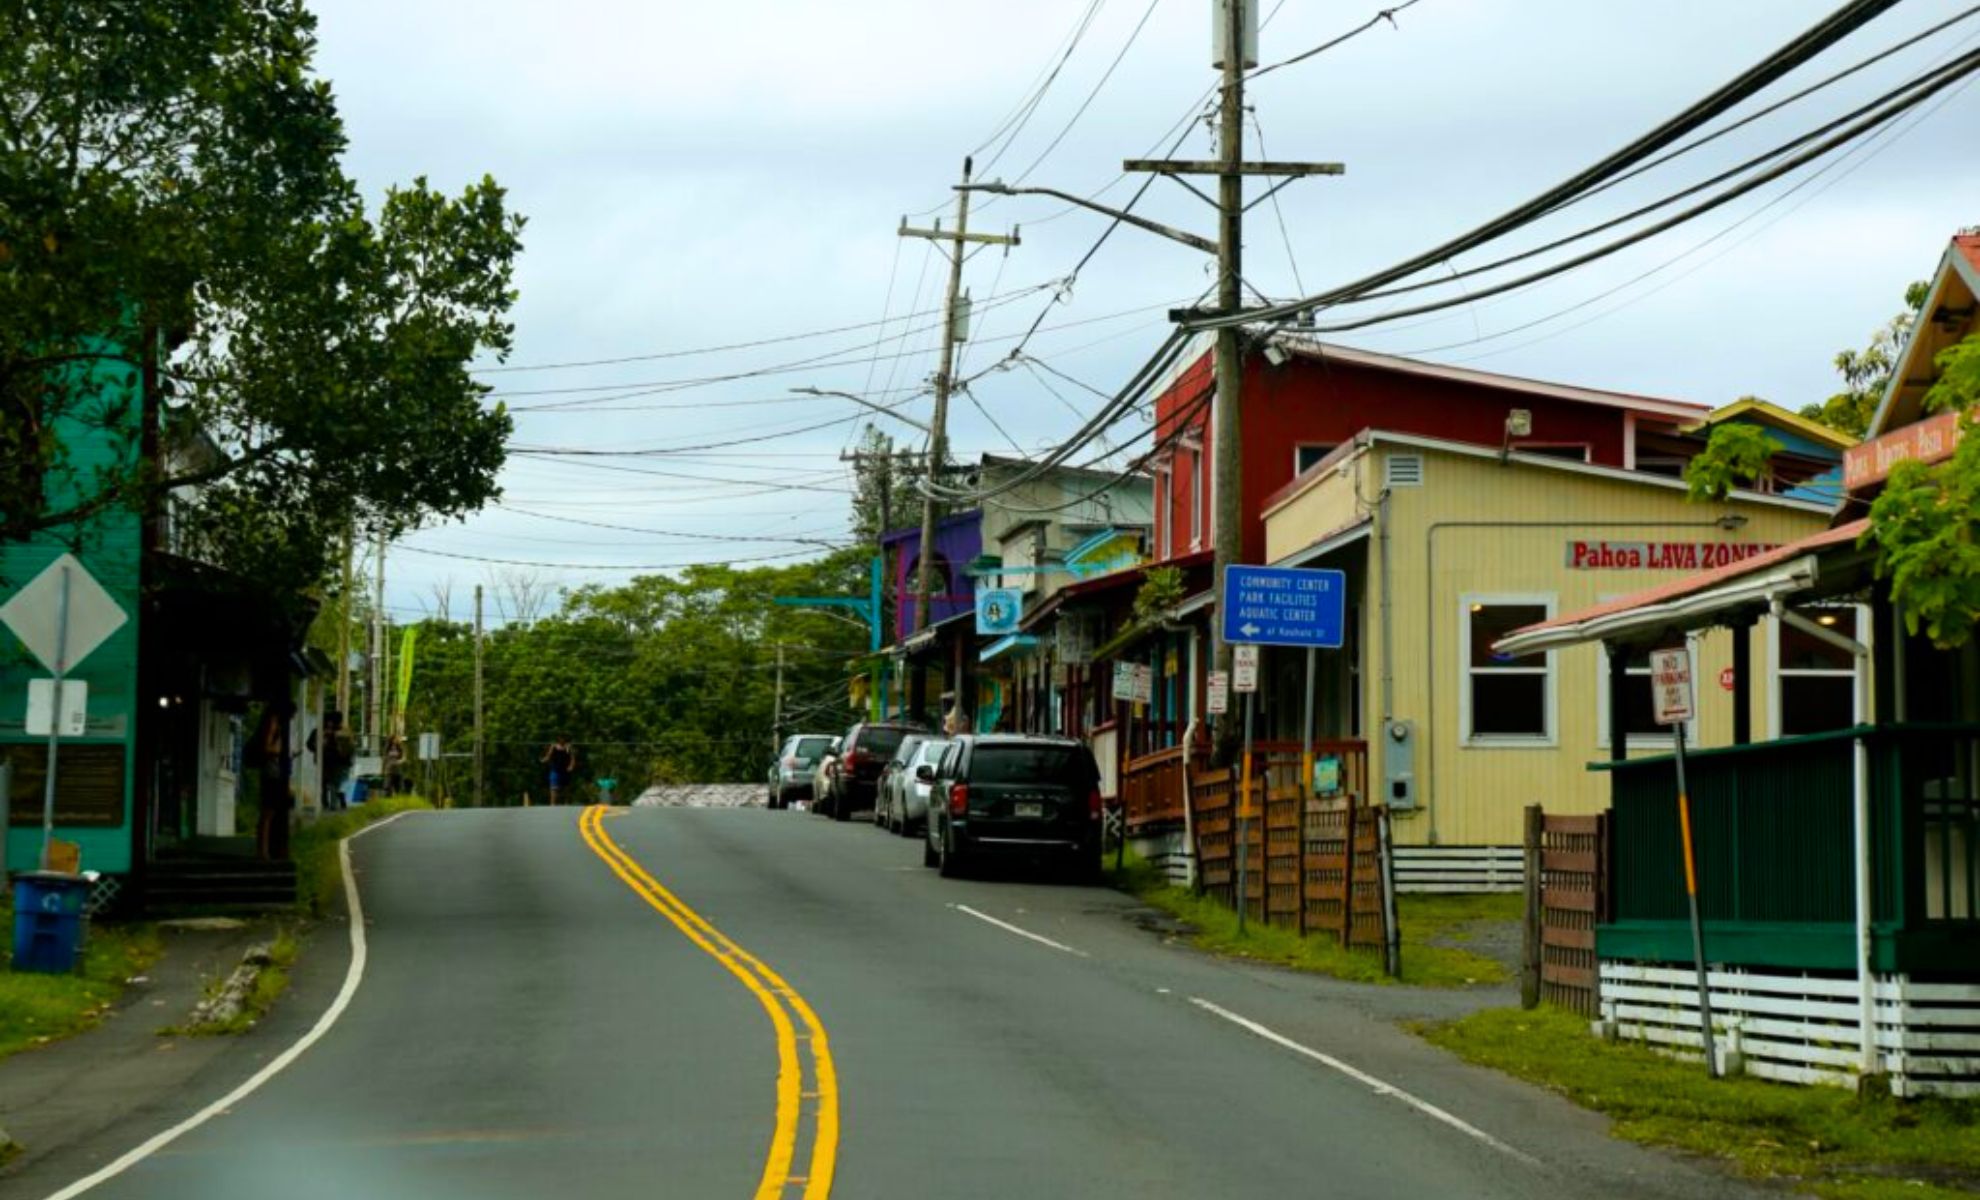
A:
1726,679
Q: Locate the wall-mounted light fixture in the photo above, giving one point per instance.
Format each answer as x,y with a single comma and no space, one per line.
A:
1519,424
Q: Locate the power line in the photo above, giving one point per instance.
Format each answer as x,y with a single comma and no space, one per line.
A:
569,566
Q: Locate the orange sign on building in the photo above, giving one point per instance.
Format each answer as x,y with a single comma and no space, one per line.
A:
1926,441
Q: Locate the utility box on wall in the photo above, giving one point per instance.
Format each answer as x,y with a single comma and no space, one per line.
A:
1399,764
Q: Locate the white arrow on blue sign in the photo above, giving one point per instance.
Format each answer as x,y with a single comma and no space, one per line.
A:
1284,606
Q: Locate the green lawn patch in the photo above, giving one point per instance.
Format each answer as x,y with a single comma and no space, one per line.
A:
1826,1139
1422,918
318,877
41,1008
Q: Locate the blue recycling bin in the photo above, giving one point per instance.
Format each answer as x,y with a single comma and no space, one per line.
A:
48,916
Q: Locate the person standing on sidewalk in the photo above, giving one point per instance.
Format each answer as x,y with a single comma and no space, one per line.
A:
561,758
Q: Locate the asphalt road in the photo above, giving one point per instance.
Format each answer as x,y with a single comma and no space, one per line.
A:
667,1004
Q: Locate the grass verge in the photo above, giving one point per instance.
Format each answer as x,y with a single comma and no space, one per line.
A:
318,878
1826,1139
1426,921
41,1008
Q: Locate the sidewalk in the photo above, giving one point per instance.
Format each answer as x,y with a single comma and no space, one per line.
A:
61,1094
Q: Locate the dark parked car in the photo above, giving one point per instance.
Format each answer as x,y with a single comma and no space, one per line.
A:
863,754
1017,796
790,775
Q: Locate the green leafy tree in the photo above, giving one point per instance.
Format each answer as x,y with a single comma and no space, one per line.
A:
666,679
1736,454
1923,522
173,209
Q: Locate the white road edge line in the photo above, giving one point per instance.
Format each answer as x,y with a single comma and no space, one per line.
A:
352,977
1006,926
1380,1087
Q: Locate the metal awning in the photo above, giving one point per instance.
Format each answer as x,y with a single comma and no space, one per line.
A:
1327,543
1015,644
916,643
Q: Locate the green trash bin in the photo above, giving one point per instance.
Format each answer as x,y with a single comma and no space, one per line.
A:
48,921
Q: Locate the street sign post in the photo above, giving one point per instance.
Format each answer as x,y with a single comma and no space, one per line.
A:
1284,606
1670,691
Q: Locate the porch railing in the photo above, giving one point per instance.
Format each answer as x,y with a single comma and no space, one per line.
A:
1772,830
1152,785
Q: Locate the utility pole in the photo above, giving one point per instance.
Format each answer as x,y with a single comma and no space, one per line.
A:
480,797
777,712
344,634
956,242
1235,49
377,730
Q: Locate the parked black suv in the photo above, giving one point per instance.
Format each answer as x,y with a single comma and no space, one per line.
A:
1014,795
863,754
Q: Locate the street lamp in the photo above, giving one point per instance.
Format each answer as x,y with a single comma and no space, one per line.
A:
861,400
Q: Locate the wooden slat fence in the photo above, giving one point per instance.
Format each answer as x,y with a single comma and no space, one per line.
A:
1571,895
1311,864
1152,788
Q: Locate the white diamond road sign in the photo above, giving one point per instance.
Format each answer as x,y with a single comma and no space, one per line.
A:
1284,606
34,611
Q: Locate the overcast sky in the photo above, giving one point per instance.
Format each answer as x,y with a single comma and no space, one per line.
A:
703,174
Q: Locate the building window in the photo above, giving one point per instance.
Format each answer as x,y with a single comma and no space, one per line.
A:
1504,700
1200,498
1815,682
1196,498
1308,456
1166,521
1571,451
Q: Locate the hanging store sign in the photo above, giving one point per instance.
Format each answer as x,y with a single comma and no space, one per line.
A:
998,610
1927,441
1660,556
1073,640
1123,681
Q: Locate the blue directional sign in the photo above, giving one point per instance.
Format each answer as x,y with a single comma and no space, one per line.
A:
1284,606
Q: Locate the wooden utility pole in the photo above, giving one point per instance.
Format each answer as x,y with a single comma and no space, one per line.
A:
377,730
1235,49
955,243
344,634
480,759
777,710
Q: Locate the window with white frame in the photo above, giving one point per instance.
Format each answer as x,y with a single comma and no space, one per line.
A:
1200,499
1505,700
1815,682
1165,518
1195,497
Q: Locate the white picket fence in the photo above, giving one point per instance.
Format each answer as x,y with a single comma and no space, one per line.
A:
1801,1028
1459,868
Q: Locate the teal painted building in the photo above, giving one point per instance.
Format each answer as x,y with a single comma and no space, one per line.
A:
96,773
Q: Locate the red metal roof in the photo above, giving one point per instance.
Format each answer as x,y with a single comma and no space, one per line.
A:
1969,245
1705,579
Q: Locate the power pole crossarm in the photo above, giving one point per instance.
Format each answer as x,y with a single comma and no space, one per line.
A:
1186,166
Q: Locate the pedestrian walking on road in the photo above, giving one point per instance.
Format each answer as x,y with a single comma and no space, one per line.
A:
561,758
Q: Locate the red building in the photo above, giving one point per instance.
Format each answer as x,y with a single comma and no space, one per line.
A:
1304,398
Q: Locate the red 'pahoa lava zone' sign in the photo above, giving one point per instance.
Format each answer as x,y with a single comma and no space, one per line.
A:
1660,556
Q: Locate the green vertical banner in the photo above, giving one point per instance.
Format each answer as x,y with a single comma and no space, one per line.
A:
406,665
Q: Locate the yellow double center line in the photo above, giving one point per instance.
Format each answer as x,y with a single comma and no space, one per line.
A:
782,1003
